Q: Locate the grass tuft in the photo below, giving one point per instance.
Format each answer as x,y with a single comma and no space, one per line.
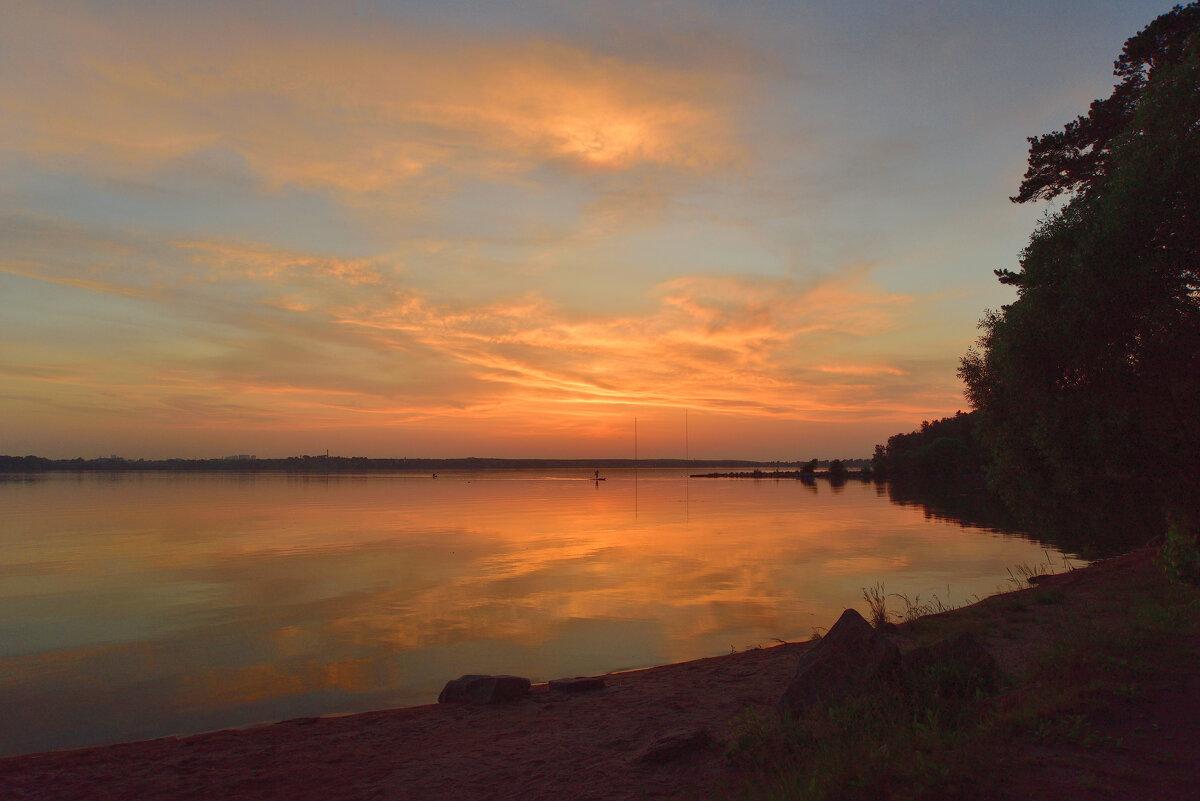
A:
876,600
1179,558
914,609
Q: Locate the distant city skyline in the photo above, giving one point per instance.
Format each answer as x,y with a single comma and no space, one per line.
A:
506,230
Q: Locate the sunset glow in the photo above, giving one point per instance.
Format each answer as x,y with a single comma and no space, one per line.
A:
433,230
216,600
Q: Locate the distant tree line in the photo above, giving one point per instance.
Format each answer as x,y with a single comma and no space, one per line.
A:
836,470
356,464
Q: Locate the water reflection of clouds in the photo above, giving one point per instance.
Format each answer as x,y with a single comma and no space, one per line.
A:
866,565
245,685
208,603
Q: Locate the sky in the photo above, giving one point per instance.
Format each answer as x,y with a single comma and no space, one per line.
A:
760,230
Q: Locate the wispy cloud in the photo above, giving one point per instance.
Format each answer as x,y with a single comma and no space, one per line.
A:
358,111
719,343
277,337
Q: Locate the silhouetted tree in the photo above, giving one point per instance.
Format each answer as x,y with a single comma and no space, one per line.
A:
837,471
1078,159
945,450
1088,385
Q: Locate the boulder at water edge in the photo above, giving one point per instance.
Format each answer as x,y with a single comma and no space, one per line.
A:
483,689
851,655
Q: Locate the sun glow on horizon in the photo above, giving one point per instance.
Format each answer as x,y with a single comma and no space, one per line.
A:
393,230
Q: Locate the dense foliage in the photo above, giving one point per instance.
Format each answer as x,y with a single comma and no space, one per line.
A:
945,450
1078,158
1088,385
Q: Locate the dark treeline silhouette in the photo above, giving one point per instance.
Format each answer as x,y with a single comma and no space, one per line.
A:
946,451
944,468
939,467
352,464
1086,388
966,503
836,470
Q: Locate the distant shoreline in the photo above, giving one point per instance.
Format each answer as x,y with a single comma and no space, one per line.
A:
358,464
797,475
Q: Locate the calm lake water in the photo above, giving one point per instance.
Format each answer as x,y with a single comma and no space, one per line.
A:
139,605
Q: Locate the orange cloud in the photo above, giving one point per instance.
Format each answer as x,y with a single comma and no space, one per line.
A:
858,369
260,337
722,344
362,112
242,262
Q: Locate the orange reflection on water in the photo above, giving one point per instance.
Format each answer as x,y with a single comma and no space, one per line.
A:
169,603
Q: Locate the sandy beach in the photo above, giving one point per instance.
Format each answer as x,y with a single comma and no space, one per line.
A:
551,745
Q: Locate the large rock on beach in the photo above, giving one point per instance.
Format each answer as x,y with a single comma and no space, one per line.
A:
474,689
846,659
956,666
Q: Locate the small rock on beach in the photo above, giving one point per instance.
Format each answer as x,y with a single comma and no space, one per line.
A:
475,689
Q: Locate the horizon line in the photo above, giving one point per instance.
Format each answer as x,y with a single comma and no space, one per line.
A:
253,458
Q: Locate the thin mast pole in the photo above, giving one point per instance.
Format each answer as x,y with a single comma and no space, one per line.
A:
635,475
